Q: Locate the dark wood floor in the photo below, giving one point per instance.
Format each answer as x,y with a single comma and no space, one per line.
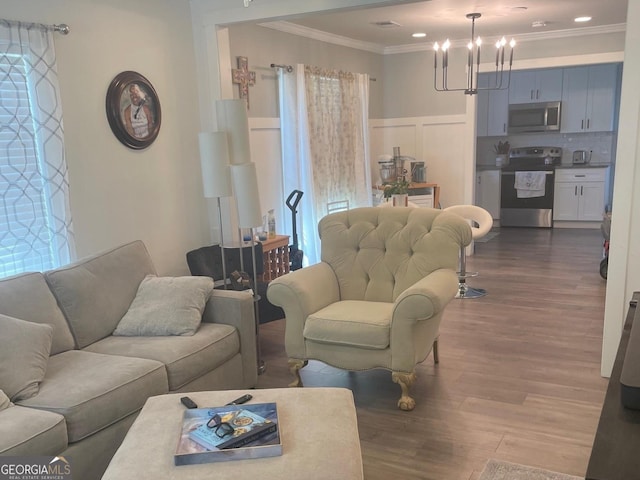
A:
519,372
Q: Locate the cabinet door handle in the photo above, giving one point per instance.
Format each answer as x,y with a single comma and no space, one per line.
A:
537,94
531,95
575,191
580,175
588,123
581,124
504,128
581,187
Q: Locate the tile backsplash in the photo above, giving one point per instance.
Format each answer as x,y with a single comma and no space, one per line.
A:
602,144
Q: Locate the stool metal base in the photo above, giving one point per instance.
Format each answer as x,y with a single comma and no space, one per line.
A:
465,291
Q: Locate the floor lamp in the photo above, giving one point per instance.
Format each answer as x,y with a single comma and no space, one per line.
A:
245,186
216,177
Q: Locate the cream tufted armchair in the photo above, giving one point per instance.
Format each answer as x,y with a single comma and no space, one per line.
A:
377,297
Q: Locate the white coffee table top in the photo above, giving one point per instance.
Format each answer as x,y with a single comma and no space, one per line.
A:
318,432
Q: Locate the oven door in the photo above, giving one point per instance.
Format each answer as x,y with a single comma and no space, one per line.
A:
525,212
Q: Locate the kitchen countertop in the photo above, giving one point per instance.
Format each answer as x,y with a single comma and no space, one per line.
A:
481,168
588,165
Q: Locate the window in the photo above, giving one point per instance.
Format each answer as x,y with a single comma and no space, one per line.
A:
35,225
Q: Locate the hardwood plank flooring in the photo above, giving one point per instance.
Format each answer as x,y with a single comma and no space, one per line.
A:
519,373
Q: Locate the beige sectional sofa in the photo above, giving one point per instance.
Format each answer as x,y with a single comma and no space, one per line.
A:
95,383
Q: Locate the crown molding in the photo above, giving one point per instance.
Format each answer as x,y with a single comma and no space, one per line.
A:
294,29
319,35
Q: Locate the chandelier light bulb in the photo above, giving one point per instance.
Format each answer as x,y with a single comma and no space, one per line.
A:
446,45
503,42
469,45
478,41
436,47
512,43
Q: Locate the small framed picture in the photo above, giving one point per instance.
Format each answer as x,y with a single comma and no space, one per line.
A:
133,110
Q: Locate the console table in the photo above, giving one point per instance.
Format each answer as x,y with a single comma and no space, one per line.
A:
615,449
275,257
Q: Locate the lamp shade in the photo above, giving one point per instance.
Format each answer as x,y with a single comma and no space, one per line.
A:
245,185
232,118
214,160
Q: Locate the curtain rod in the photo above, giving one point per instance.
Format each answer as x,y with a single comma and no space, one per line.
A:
289,69
62,28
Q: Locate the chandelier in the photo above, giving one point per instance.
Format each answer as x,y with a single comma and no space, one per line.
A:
247,2
471,88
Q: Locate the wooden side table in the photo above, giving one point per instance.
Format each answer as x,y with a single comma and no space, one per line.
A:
276,257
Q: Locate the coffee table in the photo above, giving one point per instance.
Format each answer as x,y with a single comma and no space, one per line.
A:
318,431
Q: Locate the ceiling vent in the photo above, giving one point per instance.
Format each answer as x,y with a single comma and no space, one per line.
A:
386,24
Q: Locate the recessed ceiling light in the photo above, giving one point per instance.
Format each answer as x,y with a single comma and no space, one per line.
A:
418,35
582,19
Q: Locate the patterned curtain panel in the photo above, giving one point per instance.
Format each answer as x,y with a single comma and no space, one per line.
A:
35,220
325,141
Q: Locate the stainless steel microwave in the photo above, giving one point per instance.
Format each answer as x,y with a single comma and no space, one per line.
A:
534,117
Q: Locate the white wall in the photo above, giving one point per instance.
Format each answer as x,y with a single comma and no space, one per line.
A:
422,138
118,194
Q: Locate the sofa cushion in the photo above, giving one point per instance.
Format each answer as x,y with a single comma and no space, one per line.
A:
28,297
186,358
166,306
351,322
95,293
4,401
28,431
93,391
24,352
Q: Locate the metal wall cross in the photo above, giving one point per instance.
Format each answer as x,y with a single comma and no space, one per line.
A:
243,77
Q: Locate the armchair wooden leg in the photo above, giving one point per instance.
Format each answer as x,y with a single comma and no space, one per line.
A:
405,380
294,368
436,358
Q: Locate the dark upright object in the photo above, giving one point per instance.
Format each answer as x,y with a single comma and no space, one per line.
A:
207,262
295,254
615,449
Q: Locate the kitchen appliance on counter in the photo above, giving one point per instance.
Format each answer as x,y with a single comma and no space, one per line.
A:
581,157
387,169
526,187
418,172
534,117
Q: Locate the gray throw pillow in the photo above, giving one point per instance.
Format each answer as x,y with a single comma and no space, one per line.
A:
166,306
4,401
24,353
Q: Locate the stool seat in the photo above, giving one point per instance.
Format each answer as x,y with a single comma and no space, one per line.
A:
484,221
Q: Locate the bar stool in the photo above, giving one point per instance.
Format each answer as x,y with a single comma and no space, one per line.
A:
479,216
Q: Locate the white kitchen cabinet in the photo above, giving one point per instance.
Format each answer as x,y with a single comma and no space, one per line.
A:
492,109
579,194
488,191
530,86
589,98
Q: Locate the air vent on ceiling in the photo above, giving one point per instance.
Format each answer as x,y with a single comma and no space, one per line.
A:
387,24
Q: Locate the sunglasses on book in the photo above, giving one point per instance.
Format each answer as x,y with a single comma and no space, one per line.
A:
222,429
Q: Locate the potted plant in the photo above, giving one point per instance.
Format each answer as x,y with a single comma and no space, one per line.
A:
502,153
398,191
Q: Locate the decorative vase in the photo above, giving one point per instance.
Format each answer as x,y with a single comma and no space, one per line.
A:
501,159
400,199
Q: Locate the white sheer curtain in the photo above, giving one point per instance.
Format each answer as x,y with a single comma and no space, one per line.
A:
324,118
35,219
